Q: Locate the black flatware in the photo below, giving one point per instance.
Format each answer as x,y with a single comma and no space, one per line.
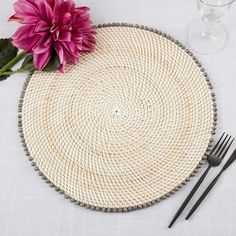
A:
211,185
214,158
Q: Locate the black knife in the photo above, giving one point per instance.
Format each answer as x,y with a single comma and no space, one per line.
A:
213,182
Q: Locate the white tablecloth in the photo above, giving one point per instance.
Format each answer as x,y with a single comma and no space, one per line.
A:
29,207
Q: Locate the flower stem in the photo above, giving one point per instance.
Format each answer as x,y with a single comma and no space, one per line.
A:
13,72
11,63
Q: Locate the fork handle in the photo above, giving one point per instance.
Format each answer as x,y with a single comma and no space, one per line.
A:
199,201
190,195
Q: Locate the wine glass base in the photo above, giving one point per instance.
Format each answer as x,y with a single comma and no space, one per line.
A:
204,42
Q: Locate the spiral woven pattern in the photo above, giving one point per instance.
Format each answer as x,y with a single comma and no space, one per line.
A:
123,128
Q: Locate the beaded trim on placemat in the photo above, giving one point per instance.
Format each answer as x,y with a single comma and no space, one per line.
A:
128,208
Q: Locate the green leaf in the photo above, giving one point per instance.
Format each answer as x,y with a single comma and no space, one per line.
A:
53,63
28,63
7,51
3,77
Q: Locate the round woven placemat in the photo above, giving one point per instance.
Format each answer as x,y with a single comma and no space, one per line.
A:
125,127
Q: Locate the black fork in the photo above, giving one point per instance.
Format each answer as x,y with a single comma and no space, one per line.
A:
214,158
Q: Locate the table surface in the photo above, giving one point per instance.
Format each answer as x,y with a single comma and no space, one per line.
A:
29,207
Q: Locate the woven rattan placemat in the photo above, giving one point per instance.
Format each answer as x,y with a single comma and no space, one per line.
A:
125,127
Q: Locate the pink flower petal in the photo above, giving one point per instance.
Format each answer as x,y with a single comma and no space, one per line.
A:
41,26
24,8
45,10
15,18
65,36
41,60
60,52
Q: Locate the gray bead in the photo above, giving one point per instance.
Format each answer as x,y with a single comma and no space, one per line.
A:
157,200
125,209
201,162
199,64
36,168
108,209
144,205
33,163
187,179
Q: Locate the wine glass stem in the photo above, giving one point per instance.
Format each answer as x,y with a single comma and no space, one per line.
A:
209,28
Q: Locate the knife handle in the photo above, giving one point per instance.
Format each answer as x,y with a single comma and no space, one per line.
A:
199,201
190,195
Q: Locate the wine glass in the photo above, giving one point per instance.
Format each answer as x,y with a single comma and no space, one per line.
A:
207,34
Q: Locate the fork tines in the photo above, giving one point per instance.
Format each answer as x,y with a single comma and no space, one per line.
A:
221,148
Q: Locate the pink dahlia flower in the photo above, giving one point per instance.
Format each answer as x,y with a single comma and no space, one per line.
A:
50,26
